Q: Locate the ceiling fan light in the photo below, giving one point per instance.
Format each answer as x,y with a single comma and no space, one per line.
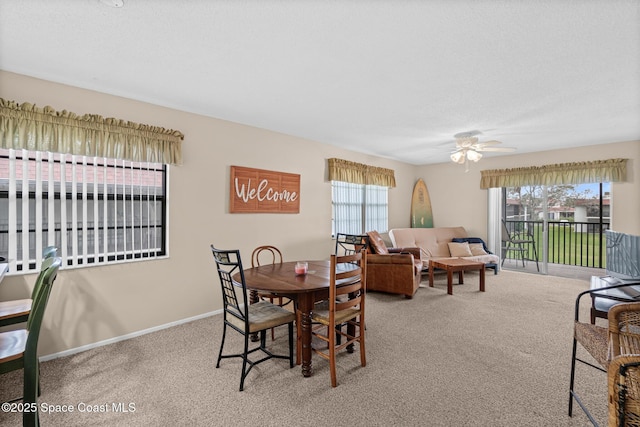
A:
474,156
458,157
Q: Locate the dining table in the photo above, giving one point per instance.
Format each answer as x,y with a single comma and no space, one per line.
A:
304,289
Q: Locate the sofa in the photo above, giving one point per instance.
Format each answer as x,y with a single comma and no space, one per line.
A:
444,242
392,270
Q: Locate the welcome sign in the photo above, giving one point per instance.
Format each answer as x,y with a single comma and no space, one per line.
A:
263,191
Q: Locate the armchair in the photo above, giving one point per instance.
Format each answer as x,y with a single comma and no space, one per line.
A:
392,270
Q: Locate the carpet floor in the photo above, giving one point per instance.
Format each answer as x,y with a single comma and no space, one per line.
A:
494,358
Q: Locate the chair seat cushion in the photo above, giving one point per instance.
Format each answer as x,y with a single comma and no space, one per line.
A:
322,316
595,339
263,315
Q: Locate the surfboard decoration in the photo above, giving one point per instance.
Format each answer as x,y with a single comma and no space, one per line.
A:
421,215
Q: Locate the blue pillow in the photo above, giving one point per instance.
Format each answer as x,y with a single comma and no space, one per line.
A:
472,240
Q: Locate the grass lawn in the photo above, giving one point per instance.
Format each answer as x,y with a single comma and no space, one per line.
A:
566,246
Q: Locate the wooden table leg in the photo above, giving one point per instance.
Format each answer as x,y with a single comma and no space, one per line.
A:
461,277
431,275
306,306
449,281
482,279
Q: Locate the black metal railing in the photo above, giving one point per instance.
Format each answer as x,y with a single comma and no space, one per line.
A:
570,243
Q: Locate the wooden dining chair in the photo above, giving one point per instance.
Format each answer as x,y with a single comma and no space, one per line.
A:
245,318
17,311
273,255
347,293
19,348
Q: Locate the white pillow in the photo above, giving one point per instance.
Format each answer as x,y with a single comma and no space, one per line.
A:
459,249
477,249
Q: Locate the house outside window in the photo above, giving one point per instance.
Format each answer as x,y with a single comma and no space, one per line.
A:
94,210
358,208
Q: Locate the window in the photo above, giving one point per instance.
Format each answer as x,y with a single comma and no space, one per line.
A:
95,210
359,208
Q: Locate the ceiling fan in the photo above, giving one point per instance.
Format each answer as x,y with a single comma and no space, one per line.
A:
469,148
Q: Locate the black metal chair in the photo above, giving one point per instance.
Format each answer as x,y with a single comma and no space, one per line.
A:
19,348
349,244
244,318
518,243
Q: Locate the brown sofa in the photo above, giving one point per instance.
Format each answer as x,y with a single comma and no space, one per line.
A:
439,242
392,270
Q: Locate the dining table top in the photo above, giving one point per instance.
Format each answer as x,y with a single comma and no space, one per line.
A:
306,289
282,278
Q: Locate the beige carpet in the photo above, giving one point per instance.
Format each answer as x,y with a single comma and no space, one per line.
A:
499,358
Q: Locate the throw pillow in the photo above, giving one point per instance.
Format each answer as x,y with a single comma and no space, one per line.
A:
459,249
376,242
472,240
477,249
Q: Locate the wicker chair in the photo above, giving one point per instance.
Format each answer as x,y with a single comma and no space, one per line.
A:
624,391
621,338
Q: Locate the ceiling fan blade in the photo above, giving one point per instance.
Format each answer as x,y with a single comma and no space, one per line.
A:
491,142
497,149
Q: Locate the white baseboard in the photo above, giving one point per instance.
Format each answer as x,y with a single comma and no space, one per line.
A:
126,337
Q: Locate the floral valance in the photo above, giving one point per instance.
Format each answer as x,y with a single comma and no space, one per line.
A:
359,173
610,170
25,126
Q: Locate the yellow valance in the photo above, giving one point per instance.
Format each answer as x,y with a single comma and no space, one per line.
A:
610,170
359,173
25,126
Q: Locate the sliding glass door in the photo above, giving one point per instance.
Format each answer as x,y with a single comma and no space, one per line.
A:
557,224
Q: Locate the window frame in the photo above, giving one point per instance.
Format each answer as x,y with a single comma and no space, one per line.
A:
80,241
365,208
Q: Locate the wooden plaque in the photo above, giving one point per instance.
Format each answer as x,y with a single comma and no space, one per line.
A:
263,191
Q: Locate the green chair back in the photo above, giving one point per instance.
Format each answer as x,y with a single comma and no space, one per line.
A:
48,262
29,358
49,252
31,364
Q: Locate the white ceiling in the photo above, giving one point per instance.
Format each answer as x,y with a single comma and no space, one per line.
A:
393,78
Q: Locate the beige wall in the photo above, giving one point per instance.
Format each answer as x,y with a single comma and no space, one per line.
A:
99,303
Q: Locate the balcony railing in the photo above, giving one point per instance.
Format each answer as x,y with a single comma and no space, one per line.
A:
570,243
